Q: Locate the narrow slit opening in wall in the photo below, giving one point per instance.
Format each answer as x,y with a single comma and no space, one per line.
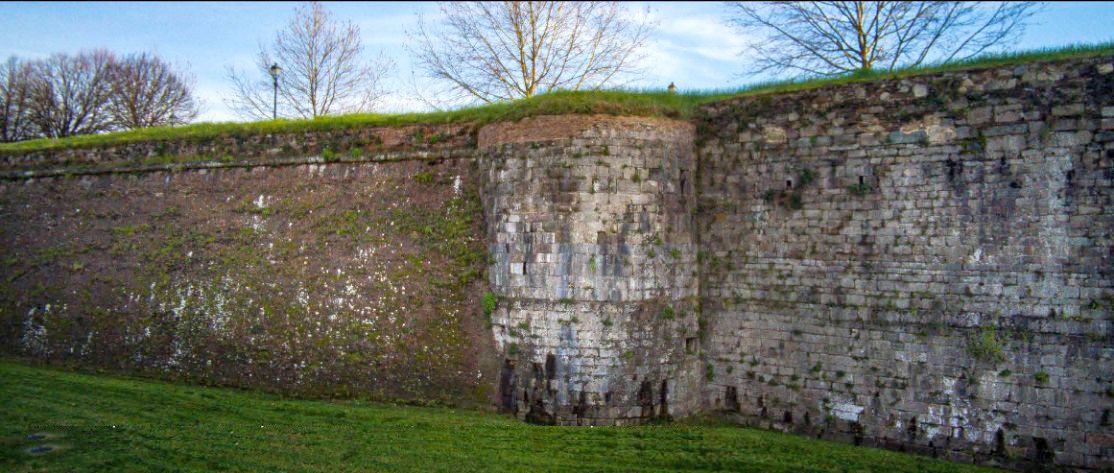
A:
861,180
646,398
731,398
788,183
582,404
645,393
550,366
1042,450
507,384
523,267
690,345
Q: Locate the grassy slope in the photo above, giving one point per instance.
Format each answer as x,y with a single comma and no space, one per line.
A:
112,424
616,102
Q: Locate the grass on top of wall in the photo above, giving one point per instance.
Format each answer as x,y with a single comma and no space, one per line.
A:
634,102
103,423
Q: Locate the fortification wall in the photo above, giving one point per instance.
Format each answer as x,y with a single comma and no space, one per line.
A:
922,263
347,144
919,263
590,231
317,280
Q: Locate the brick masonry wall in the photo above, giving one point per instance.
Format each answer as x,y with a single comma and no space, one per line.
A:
922,263
590,234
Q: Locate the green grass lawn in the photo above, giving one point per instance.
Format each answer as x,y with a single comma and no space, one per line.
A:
648,102
103,423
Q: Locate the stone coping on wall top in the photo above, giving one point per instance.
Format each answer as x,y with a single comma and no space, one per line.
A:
503,132
532,129
554,127
92,170
390,136
989,78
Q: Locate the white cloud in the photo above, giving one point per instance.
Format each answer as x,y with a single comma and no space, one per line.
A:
706,36
693,47
212,106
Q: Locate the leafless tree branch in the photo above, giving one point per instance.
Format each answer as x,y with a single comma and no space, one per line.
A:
839,37
323,70
496,51
146,92
70,94
15,101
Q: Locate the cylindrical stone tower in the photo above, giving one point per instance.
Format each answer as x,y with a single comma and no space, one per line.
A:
590,224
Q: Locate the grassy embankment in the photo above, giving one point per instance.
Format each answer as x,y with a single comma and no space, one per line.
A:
615,102
102,423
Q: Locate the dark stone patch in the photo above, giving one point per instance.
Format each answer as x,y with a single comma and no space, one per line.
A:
42,449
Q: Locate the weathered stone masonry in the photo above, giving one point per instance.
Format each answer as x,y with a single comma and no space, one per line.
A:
919,263
590,228
308,279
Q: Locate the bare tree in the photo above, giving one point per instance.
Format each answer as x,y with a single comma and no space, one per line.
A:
495,51
146,92
838,37
69,94
15,98
323,70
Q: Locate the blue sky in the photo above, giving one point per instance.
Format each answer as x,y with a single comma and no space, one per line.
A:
691,45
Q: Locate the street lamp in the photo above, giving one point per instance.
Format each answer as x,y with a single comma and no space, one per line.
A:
275,70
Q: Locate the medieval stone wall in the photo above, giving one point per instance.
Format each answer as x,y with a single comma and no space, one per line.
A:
923,263
590,232
346,144
315,280
920,263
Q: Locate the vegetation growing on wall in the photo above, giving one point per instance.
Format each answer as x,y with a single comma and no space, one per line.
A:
611,102
401,228
300,288
985,345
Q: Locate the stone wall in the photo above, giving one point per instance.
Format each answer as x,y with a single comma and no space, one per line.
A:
922,263
313,280
590,231
350,144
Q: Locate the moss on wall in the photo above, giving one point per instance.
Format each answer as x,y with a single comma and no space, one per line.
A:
330,280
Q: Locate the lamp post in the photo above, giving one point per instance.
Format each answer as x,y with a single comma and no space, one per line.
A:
275,70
